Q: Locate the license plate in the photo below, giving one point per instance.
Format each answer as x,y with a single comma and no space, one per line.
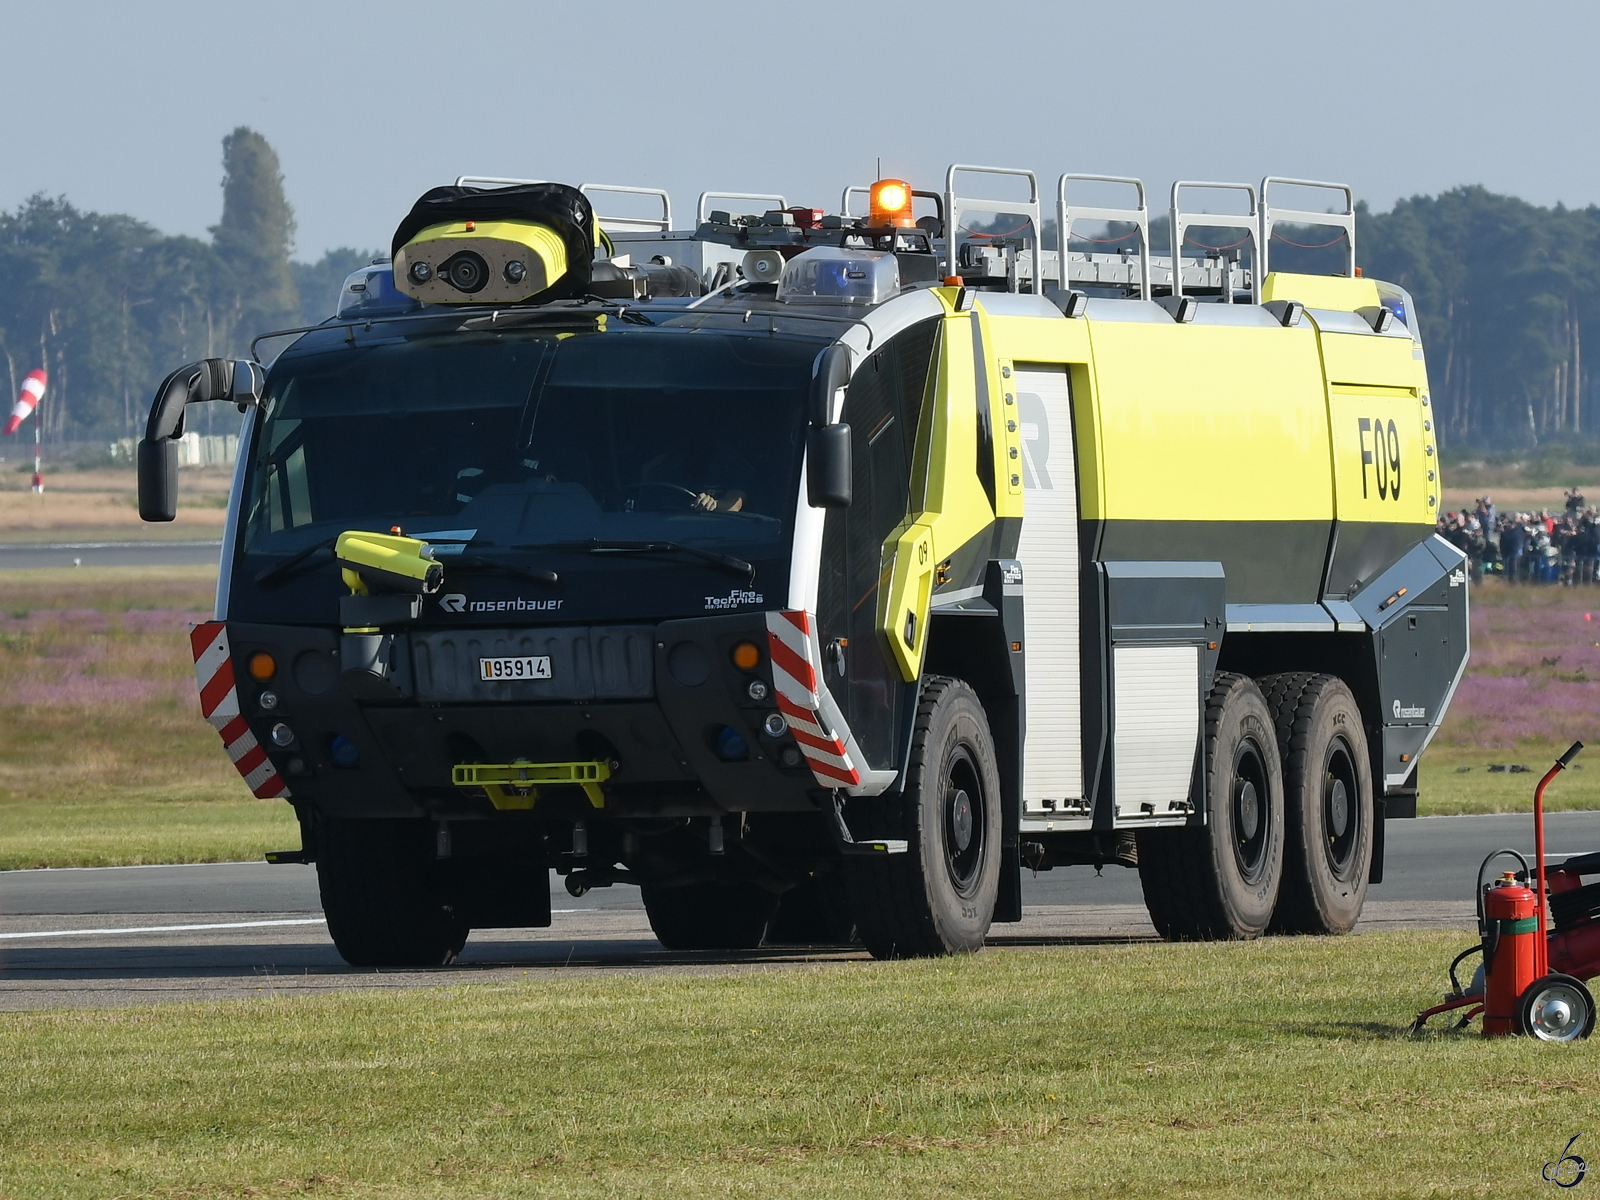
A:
503,670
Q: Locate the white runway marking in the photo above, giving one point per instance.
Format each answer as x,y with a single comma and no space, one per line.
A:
47,933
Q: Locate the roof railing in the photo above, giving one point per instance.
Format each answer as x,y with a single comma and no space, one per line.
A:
955,205
611,224
1250,222
704,209
1139,217
1345,220
621,224
855,189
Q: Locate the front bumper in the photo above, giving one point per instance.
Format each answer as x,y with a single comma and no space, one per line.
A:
655,701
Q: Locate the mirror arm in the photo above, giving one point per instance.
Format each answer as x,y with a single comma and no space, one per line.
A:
195,383
830,376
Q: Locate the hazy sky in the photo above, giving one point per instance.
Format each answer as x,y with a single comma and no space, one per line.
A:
122,107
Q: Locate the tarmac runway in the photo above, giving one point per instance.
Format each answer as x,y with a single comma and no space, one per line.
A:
132,935
109,554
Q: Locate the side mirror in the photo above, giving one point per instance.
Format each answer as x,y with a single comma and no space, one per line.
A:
158,480
829,470
194,383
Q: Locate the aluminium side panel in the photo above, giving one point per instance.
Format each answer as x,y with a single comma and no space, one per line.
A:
1156,728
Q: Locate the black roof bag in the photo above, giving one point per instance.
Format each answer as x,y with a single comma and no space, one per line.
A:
564,209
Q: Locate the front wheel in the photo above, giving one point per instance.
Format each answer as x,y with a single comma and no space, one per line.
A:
1221,880
709,916
939,897
381,896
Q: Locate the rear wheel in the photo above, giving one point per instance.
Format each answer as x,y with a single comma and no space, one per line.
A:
939,897
381,898
709,916
1328,810
1221,880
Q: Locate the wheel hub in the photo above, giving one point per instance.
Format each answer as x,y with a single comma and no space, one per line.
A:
1559,1013
961,820
965,811
1338,809
1247,806
1555,1016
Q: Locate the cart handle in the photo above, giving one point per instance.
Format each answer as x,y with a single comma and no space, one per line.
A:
1541,947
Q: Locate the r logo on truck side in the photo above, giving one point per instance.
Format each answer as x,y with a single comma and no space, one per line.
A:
453,602
1383,456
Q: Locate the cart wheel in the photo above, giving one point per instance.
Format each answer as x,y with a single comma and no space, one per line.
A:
1557,1008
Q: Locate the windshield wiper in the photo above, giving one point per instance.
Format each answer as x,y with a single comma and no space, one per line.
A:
470,564
272,574
595,546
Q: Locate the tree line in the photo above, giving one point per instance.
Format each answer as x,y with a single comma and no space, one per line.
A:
107,303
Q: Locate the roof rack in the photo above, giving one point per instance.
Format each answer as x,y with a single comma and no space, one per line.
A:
1139,217
955,204
1345,220
1249,222
1216,273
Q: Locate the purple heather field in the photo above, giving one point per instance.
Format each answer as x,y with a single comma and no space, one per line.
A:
84,658
1534,673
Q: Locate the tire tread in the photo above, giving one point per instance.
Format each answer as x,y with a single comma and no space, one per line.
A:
1293,697
889,895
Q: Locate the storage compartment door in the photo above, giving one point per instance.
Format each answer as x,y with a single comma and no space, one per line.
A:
1156,700
1052,776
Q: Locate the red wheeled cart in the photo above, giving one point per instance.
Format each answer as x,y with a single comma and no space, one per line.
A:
1516,990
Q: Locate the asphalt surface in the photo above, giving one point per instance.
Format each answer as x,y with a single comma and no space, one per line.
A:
109,554
131,935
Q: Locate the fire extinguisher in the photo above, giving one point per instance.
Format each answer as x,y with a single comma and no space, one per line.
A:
1511,952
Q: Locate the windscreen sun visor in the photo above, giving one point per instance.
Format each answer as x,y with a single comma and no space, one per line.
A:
513,245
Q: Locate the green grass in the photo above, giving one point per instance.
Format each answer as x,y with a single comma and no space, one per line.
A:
169,825
1447,790
1274,1068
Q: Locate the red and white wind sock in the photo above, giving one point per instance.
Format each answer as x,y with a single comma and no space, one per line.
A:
32,392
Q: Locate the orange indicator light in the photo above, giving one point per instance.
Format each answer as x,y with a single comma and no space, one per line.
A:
891,203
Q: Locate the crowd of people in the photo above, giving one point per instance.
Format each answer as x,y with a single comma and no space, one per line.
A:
1526,547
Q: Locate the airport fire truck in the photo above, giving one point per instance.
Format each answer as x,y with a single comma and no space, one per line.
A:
819,573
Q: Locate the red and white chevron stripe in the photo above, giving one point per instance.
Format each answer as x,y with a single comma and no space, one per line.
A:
804,700
219,704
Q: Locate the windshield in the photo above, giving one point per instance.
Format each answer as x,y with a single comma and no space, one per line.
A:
529,438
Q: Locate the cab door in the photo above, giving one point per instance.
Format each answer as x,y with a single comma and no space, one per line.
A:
882,408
